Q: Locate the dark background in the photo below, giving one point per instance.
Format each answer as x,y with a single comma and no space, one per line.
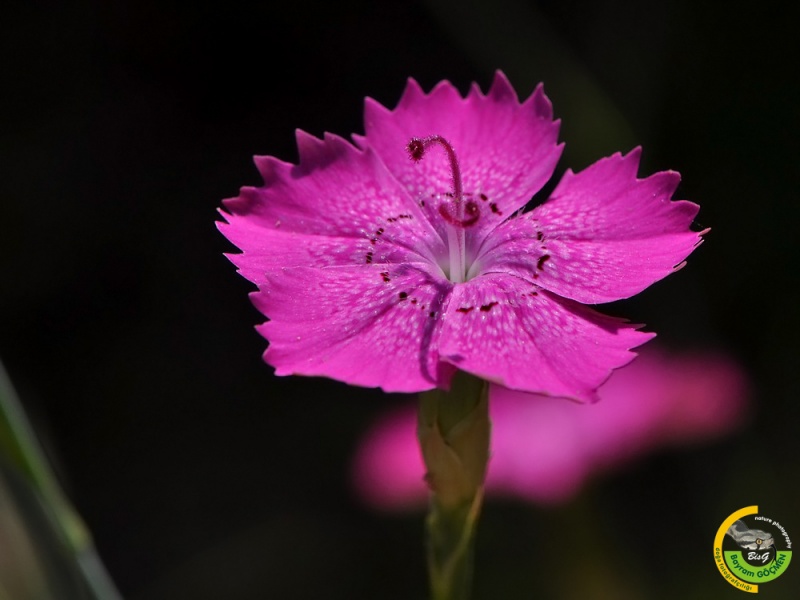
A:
130,337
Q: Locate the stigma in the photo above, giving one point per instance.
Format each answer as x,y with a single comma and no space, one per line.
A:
457,212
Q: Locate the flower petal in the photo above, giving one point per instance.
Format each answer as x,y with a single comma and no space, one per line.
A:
338,206
537,448
603,235
657,401
504,329
270,249
370,325
507,150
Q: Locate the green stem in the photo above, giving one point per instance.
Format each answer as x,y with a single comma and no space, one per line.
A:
451,545
453,432
22,450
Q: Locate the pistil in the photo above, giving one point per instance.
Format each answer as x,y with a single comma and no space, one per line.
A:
459,214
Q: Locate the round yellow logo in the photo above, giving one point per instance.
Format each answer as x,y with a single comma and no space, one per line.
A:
751,549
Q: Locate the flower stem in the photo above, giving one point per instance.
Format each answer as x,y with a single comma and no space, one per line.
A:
451,545
453,432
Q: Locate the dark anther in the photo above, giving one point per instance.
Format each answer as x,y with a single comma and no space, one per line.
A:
542,259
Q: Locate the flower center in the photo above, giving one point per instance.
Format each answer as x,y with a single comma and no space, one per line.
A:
458,213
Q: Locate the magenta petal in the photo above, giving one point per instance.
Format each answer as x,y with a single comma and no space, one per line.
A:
270,249
304,213
507,150
603,235
610,235
370,325
506,330
606,201
544,449
537,447
387,469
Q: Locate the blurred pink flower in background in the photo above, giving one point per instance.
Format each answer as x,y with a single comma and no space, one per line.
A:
544,448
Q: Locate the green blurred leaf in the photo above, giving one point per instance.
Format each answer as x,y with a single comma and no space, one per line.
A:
47,550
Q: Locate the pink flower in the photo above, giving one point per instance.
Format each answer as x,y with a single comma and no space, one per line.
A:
544,449
379,270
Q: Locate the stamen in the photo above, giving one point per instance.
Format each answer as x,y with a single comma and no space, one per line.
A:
459,214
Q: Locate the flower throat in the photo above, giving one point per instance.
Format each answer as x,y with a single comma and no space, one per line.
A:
458,213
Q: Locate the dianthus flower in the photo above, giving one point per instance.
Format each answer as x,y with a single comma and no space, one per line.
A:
397,260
